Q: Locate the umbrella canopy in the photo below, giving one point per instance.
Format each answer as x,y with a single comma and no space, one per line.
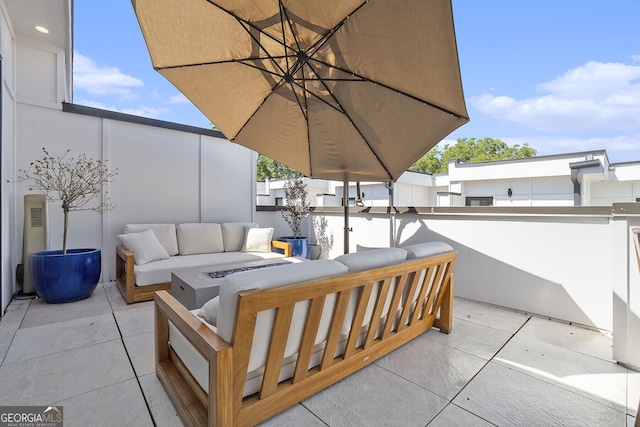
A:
337,89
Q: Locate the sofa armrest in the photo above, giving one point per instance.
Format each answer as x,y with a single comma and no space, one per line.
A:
282,245
214,407
125,279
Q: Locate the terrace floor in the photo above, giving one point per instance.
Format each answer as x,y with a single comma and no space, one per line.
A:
497,367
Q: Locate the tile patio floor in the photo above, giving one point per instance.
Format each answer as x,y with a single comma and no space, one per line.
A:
498,367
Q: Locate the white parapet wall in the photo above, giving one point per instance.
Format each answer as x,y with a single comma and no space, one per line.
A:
553,262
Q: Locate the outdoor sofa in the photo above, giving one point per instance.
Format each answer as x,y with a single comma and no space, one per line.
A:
274,337
149,253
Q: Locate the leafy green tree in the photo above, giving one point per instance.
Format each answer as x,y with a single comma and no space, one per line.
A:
269,168
470,150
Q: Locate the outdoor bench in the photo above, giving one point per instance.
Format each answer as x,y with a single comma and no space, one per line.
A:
276,336
151,252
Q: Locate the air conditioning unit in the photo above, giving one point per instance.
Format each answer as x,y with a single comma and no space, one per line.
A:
35,237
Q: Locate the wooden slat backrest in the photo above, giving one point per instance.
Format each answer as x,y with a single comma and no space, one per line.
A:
418,312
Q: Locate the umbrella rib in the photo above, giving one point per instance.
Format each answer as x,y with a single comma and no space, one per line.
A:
284,41
365,79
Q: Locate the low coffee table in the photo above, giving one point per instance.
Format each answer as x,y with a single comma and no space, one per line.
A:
194,287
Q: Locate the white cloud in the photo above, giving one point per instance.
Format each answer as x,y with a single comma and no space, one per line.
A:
595,96
178,99
143,111
101,80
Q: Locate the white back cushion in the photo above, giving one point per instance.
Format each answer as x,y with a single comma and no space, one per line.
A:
266,278
257,239
372,258
367,260
233,234
199,238
144,246
423,250
166,234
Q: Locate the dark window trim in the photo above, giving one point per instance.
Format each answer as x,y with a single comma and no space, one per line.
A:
468,200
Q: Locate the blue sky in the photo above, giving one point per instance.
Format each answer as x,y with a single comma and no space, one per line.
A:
560,75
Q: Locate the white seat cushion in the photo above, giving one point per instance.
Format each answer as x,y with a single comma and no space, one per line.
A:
160,271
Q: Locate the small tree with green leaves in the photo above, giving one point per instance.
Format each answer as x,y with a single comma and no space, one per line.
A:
296,204
75,181
470,150
268,169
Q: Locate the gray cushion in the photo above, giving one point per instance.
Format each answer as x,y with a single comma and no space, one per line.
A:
422,250
372,258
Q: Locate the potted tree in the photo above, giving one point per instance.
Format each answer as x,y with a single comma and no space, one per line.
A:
69,274
296,207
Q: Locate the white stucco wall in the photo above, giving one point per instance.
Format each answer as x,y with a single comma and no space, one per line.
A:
164,175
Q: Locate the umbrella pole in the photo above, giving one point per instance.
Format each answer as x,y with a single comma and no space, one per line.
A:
345,203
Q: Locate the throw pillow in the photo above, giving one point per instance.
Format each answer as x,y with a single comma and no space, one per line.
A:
257,239
145,246
209,311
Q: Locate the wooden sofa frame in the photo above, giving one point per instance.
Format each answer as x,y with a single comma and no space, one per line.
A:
125,278
224,404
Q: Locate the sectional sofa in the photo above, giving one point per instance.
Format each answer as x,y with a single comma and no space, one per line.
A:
149,253
274,337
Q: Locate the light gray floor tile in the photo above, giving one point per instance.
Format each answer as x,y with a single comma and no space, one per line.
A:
633,392
454,416
164,413
9,324
12,318
295,416
116,405
479,340
136,321
586,375
631,421
62,375
574,338
441,369
507,397
487,315
117,301
41,313
38,341
374,396
141,349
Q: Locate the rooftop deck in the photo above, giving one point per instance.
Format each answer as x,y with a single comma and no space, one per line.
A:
497,367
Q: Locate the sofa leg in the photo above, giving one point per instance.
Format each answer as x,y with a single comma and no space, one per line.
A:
446,309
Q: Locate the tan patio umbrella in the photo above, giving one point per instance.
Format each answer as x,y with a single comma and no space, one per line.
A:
337,89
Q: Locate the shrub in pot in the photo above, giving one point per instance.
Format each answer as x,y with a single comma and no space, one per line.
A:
68,275
296,207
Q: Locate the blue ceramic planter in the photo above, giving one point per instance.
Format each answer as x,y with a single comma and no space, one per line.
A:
300,246
61,278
